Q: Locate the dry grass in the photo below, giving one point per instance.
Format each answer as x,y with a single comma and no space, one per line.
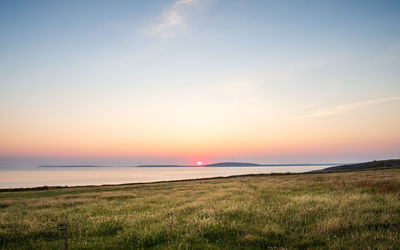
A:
336,210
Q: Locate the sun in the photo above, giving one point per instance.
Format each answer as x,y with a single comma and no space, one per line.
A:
199,163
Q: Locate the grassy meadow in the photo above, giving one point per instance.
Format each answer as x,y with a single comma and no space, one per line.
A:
357,210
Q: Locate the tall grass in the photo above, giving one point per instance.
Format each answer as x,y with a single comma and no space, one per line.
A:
337,210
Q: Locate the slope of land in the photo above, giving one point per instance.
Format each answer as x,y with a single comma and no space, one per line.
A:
395,163
343,210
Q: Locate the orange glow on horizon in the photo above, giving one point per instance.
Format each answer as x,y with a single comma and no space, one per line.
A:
188,142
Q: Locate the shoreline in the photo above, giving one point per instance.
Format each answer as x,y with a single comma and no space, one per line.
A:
365,166
41,188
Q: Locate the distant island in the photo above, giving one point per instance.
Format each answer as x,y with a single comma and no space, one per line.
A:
218,164
160,165
241,164
70,166
233,164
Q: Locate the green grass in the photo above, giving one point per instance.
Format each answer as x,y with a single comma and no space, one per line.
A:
358,210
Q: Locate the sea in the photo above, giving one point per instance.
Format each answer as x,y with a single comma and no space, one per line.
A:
34,176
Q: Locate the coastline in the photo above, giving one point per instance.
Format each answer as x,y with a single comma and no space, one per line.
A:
288,211
336,169
373,165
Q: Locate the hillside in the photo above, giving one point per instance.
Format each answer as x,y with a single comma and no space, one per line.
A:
395,163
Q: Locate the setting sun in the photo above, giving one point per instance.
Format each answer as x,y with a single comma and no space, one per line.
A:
199,163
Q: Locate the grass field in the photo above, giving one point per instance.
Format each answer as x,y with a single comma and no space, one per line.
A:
358,210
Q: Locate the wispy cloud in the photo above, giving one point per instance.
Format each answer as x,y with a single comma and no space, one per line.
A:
345,107
175,17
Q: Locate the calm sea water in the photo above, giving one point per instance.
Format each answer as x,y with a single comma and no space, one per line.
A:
14,177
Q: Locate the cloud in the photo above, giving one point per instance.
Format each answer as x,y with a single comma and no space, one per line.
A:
345,107
175,17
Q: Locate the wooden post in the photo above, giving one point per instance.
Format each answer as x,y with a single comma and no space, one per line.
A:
66,237
64,227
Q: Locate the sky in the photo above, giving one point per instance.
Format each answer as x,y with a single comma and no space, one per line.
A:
181,81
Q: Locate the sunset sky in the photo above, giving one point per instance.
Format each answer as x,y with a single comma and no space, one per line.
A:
151,82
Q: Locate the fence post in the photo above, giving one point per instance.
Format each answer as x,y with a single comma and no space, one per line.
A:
64,227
